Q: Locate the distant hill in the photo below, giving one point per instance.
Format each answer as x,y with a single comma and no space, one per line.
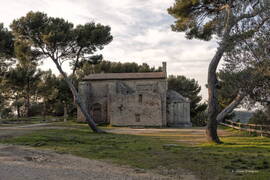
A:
242,116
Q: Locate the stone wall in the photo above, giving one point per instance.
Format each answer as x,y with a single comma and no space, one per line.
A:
102,92
84,92
178,114
143,109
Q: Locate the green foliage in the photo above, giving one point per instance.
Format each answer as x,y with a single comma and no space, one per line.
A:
200,119
99,36
58,109
5,112
248,66
189,88
6,43
259,117
35,109
58,39
21,83
63,92
203,19
25,55
114,67
23,77
55,94
6,51
191,17
47,86
26,82
241,80
62,97
231,82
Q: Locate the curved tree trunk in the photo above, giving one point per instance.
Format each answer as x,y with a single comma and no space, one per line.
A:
221,116
211,128
78,101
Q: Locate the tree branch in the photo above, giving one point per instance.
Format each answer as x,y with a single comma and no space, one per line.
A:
240,96
77,60
250,15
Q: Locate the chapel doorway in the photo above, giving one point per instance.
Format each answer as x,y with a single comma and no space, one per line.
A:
96,113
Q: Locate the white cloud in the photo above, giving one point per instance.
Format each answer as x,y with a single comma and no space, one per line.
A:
141,30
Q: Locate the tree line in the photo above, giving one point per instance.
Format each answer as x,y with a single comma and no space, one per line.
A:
28,91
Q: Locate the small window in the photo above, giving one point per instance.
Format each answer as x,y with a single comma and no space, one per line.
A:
120,107
137,117
140,98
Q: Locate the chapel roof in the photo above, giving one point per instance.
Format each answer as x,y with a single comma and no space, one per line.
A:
173,96
122,76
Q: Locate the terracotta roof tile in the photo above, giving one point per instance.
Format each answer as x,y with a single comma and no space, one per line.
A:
119,76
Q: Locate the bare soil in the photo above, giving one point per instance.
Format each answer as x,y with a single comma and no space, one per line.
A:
190,136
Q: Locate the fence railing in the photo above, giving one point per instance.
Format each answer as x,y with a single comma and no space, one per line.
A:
251,128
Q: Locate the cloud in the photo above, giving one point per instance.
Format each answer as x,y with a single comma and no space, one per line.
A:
141,31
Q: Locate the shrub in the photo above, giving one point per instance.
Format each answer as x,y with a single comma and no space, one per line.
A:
259,117
35,109
6,113
200,119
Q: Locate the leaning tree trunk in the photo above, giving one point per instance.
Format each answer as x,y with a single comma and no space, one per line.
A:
221,116
78,101
211,128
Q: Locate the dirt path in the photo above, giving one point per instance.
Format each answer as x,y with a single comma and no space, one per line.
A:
20,163
190,136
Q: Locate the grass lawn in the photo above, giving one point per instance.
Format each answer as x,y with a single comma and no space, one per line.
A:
28,120
240,157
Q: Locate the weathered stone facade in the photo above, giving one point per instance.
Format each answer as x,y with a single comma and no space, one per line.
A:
133,99
178,110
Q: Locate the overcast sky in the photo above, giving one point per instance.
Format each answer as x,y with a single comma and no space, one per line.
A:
141,31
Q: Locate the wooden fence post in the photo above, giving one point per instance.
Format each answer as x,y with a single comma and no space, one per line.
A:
258,129
239,126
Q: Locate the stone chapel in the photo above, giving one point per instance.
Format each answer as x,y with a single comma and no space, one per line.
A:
134,99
